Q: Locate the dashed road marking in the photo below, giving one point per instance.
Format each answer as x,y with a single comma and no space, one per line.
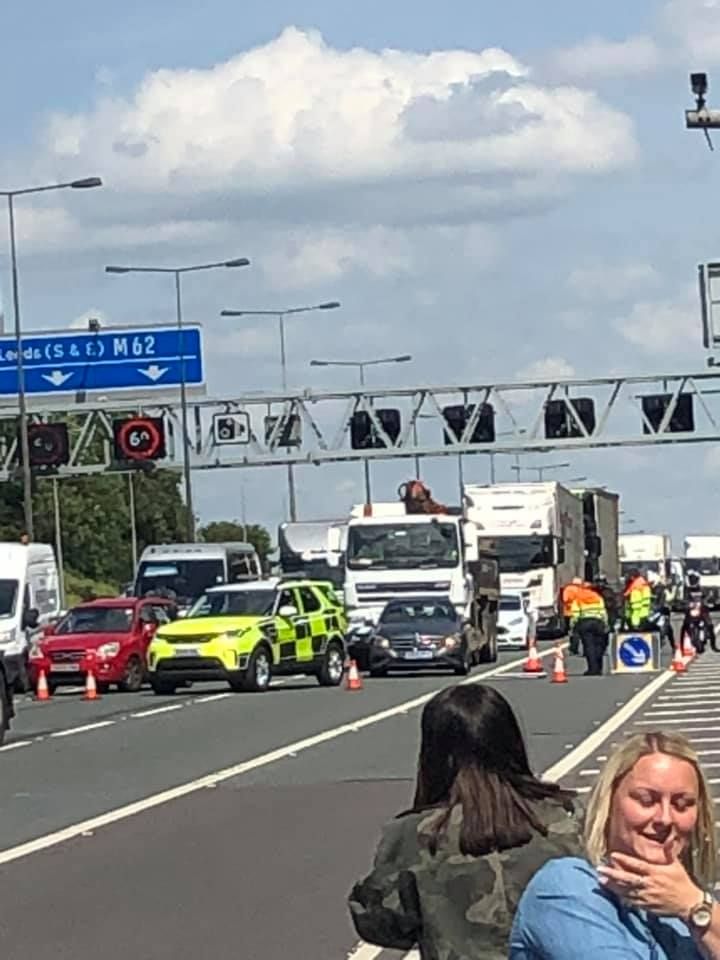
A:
84,729
169,708
16,745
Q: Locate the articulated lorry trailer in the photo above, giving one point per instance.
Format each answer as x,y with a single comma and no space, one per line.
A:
539,533
601,521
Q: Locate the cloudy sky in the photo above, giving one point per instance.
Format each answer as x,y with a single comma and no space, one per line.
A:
501,190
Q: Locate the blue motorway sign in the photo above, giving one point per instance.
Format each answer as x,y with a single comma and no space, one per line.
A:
122,359
635,652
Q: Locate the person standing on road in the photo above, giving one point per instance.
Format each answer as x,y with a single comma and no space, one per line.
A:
645,889
591,625
638,601
449,872
569,593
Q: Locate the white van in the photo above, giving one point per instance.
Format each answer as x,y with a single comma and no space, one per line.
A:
29,598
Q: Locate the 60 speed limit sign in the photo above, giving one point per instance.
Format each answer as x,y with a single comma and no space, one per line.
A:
139,438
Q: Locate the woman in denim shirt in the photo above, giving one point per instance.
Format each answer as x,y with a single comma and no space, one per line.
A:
645,890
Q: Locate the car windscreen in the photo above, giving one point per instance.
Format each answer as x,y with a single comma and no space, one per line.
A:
420,616
96,620
8,597
234,603
184,580
510,603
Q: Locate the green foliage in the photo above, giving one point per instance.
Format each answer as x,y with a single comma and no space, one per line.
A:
222,531
95,520
79,589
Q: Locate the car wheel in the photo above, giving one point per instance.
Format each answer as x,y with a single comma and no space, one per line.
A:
162,687
332,667
259,671
134,676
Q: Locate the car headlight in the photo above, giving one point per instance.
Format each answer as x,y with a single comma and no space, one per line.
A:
450,642
381,642
108,650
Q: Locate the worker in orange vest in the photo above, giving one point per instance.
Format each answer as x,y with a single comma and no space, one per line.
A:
590,623
569,592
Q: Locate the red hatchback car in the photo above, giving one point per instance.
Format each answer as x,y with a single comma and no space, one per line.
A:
118,631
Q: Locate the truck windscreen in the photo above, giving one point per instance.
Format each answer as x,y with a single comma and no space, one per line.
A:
517,554
705,566
392,546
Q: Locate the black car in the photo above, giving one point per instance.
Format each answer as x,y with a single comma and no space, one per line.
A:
417,634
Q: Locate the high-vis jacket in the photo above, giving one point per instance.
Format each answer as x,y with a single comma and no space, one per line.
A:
588,604
569,593
638,601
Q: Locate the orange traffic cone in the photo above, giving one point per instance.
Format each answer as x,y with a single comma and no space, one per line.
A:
688,648
678,661
558,674
90,687
533,663
354,680
43,691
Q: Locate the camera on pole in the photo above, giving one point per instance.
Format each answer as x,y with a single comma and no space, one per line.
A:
701,118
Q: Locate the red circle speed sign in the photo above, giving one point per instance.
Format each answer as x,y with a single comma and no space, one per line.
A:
140,438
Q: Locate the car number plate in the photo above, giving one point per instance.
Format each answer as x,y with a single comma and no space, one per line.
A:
64,668
419,655
187,652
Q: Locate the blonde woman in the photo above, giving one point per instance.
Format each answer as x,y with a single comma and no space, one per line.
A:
645,890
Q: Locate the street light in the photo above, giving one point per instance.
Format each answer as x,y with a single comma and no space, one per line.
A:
280,315
177,272
84,184
360,367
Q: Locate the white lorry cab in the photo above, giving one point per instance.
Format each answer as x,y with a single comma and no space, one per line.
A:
29,598
539,536
649,553
184,571
702,556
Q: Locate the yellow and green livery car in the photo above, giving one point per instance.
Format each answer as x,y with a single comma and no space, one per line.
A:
245,633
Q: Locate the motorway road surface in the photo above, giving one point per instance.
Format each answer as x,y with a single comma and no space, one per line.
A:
233,826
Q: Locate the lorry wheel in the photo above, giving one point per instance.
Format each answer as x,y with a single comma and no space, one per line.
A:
259,671
332,667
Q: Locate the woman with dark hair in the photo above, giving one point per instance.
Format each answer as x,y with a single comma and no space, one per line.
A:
449,872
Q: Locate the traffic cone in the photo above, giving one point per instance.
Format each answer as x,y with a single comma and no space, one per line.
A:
688,648
678,661
354,680
90,687
43,691
558,674
533,663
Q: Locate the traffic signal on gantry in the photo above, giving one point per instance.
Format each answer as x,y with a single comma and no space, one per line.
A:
49,445
139,439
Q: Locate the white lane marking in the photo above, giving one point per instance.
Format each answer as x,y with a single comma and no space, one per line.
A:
714,780
601,758
713,697
706,739
16,745
661,722
590,772
84,729
707,753
591,743
583,789
690,711
365,951
229,773
213,696
151,713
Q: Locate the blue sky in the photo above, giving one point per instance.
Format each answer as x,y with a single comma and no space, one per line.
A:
515,173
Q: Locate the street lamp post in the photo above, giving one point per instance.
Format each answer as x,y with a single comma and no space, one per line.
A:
360,365
177,273
280,316
85,184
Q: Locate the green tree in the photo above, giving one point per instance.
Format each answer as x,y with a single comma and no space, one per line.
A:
223,531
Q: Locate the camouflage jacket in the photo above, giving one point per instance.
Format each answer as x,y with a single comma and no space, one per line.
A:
454,907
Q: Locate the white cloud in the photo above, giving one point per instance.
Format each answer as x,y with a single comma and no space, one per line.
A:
295,131
663,326
599,58
695,25
608,281
549,368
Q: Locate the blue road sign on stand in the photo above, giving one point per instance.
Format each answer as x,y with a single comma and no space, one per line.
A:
136,359
635,652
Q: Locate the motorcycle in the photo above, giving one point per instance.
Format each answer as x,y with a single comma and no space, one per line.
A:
696,626
659,622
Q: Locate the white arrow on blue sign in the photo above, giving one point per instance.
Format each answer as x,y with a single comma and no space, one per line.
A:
120,359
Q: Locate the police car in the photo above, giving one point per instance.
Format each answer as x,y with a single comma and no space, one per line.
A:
245,633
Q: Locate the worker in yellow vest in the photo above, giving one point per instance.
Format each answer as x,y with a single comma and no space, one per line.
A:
590,621
638,601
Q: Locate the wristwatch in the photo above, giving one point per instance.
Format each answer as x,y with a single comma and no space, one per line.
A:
700,917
